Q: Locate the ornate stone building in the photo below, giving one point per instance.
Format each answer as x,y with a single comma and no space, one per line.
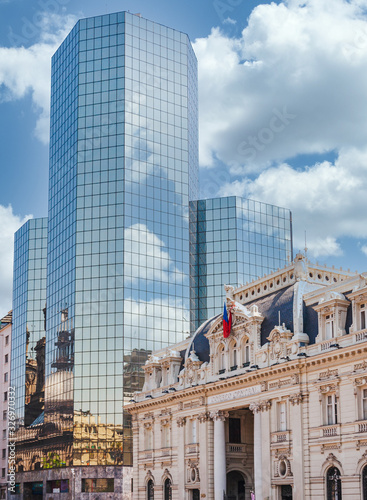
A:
277,410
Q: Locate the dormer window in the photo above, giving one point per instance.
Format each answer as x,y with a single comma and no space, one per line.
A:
329,326
332,313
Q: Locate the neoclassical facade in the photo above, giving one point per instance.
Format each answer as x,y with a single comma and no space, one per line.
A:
277,410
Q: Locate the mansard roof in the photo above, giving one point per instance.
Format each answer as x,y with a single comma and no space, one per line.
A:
199,343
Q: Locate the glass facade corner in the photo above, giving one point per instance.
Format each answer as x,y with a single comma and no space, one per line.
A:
235,240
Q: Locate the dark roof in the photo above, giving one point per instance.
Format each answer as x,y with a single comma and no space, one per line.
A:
270,306
199,343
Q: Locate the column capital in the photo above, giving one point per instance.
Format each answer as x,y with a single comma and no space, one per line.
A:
258,406
219,415
296,399
204,417
181,421
255,407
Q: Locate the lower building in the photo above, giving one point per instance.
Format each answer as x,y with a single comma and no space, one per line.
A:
5,396
276,410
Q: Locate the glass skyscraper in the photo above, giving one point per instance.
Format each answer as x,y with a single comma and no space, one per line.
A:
236,240
28,333
123,167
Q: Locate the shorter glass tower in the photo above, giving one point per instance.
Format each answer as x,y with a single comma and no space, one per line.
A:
233,241
28,333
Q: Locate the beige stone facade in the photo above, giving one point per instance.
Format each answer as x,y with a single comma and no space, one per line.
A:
277,410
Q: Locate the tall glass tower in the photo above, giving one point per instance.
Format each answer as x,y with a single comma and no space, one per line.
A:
123,167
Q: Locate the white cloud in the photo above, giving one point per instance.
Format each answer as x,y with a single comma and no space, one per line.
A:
229,20
328,200
149,260
26,70
302,58
9,223
364,249
158,315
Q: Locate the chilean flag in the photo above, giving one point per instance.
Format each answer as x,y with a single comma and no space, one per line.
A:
227,321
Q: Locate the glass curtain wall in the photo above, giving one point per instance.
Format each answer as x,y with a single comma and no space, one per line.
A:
123,166
236,240
28,336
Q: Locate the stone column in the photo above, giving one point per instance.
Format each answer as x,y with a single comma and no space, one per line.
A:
181,426
265,452
206,453
220,465
256,409
296,419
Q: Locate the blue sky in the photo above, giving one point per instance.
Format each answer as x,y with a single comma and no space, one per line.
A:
283,101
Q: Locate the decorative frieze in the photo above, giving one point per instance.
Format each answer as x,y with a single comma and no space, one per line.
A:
360,381
326,389
328,374
332,446
360,444
360,366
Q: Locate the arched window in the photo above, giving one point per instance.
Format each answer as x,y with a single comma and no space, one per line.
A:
221,360
246,354
167,490
234,356
150,490
333,484
364,483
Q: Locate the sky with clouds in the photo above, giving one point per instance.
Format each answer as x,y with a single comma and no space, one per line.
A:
282,97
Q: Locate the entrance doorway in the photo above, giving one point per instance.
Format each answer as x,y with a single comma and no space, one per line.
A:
286,492
235,486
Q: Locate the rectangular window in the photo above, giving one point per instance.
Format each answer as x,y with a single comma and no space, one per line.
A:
332,409
364,404
5,414
363,316
191,431
234,428
57,486
282,416
3,472
165,436
6,376
98,485
329,326
7,340
148,439
5,396
6,358
4,433
4,453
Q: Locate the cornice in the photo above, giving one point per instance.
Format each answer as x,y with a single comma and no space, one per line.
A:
354,352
